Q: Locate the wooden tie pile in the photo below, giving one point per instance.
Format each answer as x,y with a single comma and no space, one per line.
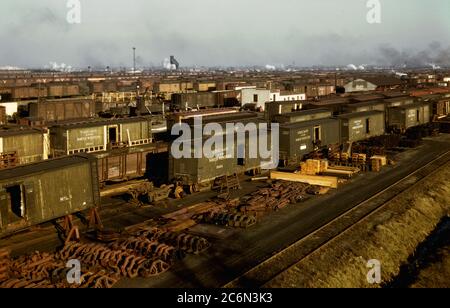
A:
313,167
378,162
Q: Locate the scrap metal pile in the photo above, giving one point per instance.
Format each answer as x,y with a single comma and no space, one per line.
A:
46,270
4,264
275,197
147,253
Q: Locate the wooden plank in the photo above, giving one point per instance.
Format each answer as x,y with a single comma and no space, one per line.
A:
326,181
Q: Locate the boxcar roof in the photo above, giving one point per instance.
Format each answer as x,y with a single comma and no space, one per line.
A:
99,122
16,131
304,112
307,123
414,105
359,114
28,170
366,103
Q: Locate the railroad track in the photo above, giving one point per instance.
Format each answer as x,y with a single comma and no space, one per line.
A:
290,256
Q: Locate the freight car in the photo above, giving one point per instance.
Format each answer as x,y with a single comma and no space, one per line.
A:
361,125
62,110
302,138
99,135
194,172
62,90
187,101
403,117
125,164
45,191
22,146
23,93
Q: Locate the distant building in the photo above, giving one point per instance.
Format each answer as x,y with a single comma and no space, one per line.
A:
373,84
256,98
283,96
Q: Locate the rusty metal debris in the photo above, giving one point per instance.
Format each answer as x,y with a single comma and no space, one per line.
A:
4,264
46,270
182,241
275,197
146,247
237,220
121,262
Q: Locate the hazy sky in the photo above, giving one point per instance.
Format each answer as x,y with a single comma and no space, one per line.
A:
223,32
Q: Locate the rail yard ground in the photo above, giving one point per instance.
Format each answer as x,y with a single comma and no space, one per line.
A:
436,274
233,252
390,235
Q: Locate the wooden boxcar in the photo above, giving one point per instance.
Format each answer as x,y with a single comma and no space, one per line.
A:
361,125
404,117
299,139
26,145
62,110
99,135
44,191
226,162
186,101
126,164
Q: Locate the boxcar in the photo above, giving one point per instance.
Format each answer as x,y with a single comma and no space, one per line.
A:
404,117
99,135
126,164
20,93
27,145
204,170
361,125
61,110
44,191
185,101
299,139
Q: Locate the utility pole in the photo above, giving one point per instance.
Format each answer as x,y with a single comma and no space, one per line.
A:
134,60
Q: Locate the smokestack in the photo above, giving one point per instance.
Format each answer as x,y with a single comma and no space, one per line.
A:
173,61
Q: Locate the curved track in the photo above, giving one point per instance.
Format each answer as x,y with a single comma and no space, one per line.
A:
295,253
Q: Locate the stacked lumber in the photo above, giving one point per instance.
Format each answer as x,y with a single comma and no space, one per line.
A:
382,159
326,181
378,162
344,157
359,159
342,171
4,264
313,166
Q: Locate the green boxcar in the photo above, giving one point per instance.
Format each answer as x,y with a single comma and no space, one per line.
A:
361,125
299,139
44,191
28,144
99,135
404,117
